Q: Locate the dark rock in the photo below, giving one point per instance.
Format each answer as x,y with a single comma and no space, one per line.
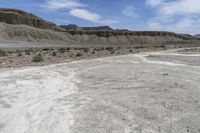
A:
71,27
99,28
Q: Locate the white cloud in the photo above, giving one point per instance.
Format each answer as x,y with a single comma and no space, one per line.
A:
129,11
69,4
87,15
154,3
181,16
77,9
154,26
108,21
184,25
84,14
180,7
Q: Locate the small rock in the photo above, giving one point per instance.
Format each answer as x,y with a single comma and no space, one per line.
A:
165,74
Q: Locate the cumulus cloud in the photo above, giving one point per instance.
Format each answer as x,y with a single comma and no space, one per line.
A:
154,26
154,3
77,9
129,11
178,15
85,14
70,4
180,7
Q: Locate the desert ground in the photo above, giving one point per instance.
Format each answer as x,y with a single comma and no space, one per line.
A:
14,54
151,92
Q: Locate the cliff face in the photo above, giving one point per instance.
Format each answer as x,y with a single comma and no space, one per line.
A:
14,16
28,33
19,25
73,27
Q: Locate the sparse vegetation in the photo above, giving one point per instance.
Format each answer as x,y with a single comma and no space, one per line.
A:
86,50
78,55
102,48
54,54
112,52
38,58
62,50
71,55
19,54
2,53
27,52
109,48
68,49
45,49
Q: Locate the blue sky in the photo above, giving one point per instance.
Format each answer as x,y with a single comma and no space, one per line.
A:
182,16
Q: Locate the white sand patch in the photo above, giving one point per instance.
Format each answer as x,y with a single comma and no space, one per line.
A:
37,99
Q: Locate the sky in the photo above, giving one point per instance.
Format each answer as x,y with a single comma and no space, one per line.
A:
181,16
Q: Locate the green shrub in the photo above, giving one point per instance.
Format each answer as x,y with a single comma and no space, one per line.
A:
19,54
54,54
109,48
62,50
86,50
2,53
37,58
27,52
45,49
68,49
78,55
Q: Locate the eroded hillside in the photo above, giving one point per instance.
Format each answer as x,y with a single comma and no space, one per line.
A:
22,26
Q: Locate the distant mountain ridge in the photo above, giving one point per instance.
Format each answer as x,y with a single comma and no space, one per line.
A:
75,27
20,25
99,28
197,36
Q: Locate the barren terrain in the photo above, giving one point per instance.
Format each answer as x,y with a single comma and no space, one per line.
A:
153,92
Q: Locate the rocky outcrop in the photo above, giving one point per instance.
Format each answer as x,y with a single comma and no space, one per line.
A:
14,16
99,28
32,34
29,33
74,27
71,27
129,33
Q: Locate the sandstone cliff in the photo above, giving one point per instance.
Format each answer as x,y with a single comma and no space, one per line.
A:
28,33
14,16
19,25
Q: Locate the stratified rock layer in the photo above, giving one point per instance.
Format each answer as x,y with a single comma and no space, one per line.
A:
14,16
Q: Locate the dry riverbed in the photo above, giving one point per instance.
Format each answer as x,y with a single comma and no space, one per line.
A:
154,92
